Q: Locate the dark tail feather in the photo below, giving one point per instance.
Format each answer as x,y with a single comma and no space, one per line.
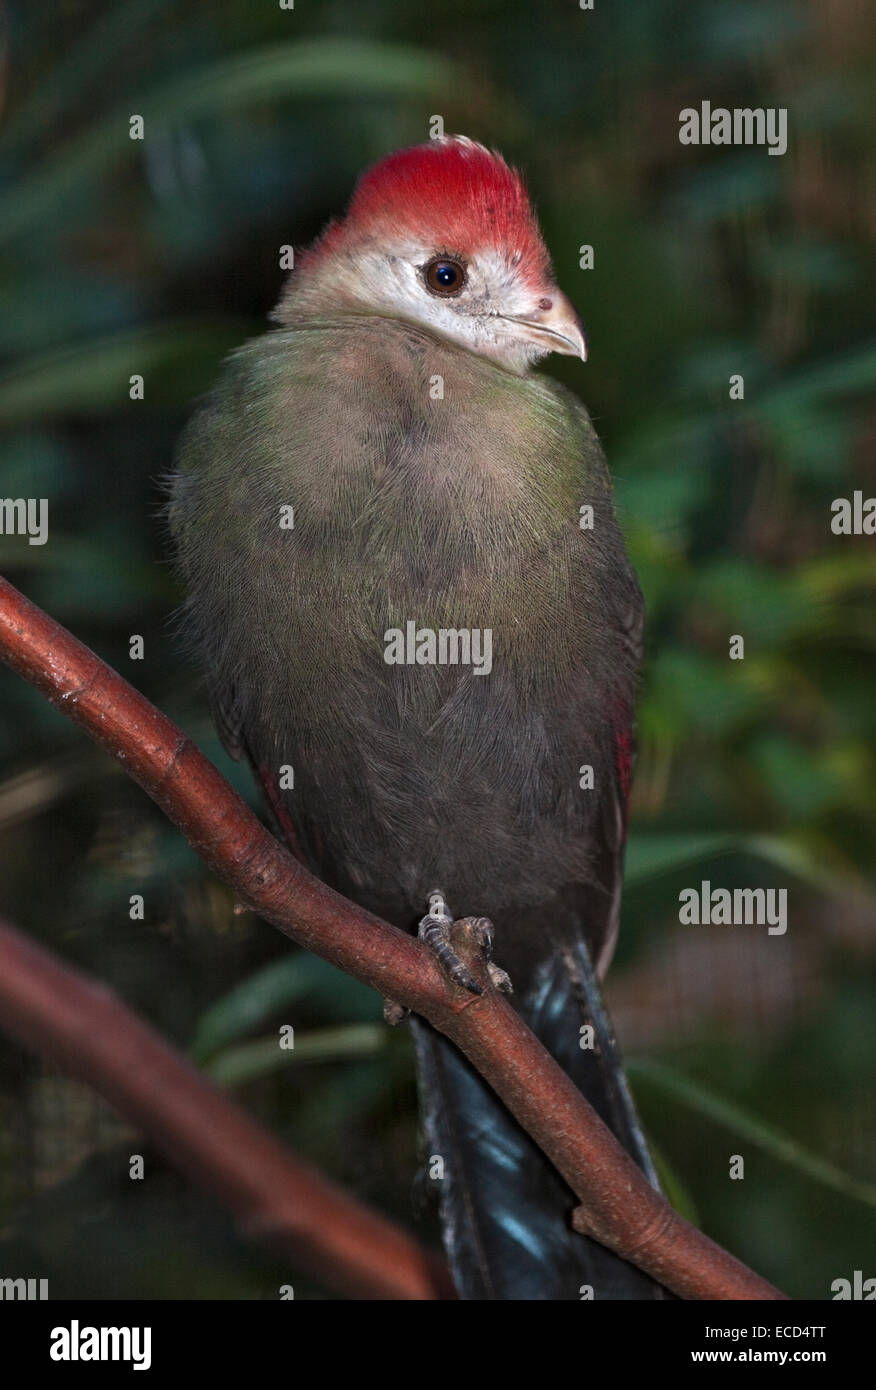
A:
504,1209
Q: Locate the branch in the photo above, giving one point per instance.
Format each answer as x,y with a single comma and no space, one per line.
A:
87,1031
618,1205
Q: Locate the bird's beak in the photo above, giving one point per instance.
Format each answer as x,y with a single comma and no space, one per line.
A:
558,329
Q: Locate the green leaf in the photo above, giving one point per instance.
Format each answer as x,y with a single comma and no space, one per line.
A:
262,1056
810,858
85,377
74,73
651,855
345,68
731,1116
676,1192
284,982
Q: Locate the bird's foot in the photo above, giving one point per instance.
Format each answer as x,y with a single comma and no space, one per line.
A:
393,1013
499,978
484,935
435,930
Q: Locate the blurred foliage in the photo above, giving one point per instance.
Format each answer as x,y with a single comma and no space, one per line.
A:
155,257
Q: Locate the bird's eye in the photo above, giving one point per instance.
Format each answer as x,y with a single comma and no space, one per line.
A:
445,276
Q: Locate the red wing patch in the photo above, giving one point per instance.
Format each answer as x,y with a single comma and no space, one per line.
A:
624,759
281,812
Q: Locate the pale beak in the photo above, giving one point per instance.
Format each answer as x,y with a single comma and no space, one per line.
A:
557,329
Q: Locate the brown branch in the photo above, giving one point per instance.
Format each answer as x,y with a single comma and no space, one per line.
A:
85,1029
618,1205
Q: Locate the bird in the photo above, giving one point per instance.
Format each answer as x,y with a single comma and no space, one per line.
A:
409,595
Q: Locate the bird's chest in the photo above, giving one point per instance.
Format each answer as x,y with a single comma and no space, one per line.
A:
443,572
436,547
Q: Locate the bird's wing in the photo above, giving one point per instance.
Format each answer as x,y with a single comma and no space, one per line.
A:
615,806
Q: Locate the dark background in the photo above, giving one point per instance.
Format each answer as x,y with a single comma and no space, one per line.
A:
156,257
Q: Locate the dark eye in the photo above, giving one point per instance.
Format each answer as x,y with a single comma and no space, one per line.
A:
444,276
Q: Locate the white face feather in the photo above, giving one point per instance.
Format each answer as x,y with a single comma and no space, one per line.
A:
391,281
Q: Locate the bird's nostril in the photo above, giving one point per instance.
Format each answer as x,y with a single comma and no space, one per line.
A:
545,304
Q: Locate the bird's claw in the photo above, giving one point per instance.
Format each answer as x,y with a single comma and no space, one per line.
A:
435,929
393,1013
499,978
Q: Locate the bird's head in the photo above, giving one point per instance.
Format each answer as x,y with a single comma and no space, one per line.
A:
442,235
